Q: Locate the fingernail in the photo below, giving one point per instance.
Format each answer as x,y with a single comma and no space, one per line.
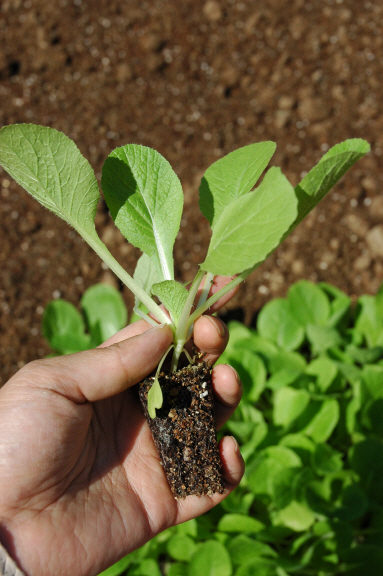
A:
235,374
235,444
218,325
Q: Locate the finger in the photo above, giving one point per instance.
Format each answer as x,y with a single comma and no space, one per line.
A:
233,468
127,332
103,372
220,282
210,336
228,390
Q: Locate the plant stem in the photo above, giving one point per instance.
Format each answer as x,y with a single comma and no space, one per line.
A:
213,299
100,248
182,327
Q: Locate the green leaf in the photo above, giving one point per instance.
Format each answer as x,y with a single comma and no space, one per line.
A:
155,398
147,567
292,361
181,547
326,173
252,373
210,559
276,322
288,405
373,380
368,322
259,567
302,445
178,569
145,198
242,549
366,458
105,312
118,568
64,328
322,337
365,355
173,296
326,460
251,226
323,423
267,464
240,523
49,166
145,275
308,303
295,516
325,371
353,503
232,176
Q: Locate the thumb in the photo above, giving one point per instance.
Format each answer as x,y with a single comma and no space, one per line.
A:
98,374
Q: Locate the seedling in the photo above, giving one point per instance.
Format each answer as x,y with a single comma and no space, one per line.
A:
145,199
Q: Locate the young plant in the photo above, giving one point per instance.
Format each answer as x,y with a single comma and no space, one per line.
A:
145,199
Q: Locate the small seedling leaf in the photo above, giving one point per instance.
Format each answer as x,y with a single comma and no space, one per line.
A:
232,176
173,296
155,398
252,226
144,196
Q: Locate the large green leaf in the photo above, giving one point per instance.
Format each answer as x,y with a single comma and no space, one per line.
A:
181,547
240,523
173,296
327,172
288,405
64,328
308,303
252,226
276,322
118,568
210,559
144,196
324,421
105,312
232,176
52,169
242,548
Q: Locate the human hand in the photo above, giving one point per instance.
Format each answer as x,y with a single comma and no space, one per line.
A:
80,480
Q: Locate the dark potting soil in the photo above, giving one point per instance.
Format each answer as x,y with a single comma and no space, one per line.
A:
184,431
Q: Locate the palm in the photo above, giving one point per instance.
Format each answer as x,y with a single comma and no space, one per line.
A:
88,482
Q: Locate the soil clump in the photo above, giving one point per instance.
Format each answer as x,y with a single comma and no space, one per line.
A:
184,431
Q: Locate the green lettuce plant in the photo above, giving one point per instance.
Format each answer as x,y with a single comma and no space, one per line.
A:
145,199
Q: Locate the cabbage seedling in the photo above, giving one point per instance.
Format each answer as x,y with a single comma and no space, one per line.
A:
145,199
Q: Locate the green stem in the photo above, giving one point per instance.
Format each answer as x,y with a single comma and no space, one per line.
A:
182,327
213,299
100,248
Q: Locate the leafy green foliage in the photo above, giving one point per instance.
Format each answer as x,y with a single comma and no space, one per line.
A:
68,331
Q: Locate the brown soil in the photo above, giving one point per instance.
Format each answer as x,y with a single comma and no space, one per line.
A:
184,431
195,80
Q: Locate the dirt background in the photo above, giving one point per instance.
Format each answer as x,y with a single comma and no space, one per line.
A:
194,80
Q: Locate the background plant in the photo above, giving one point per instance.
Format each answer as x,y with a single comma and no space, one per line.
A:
310,429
